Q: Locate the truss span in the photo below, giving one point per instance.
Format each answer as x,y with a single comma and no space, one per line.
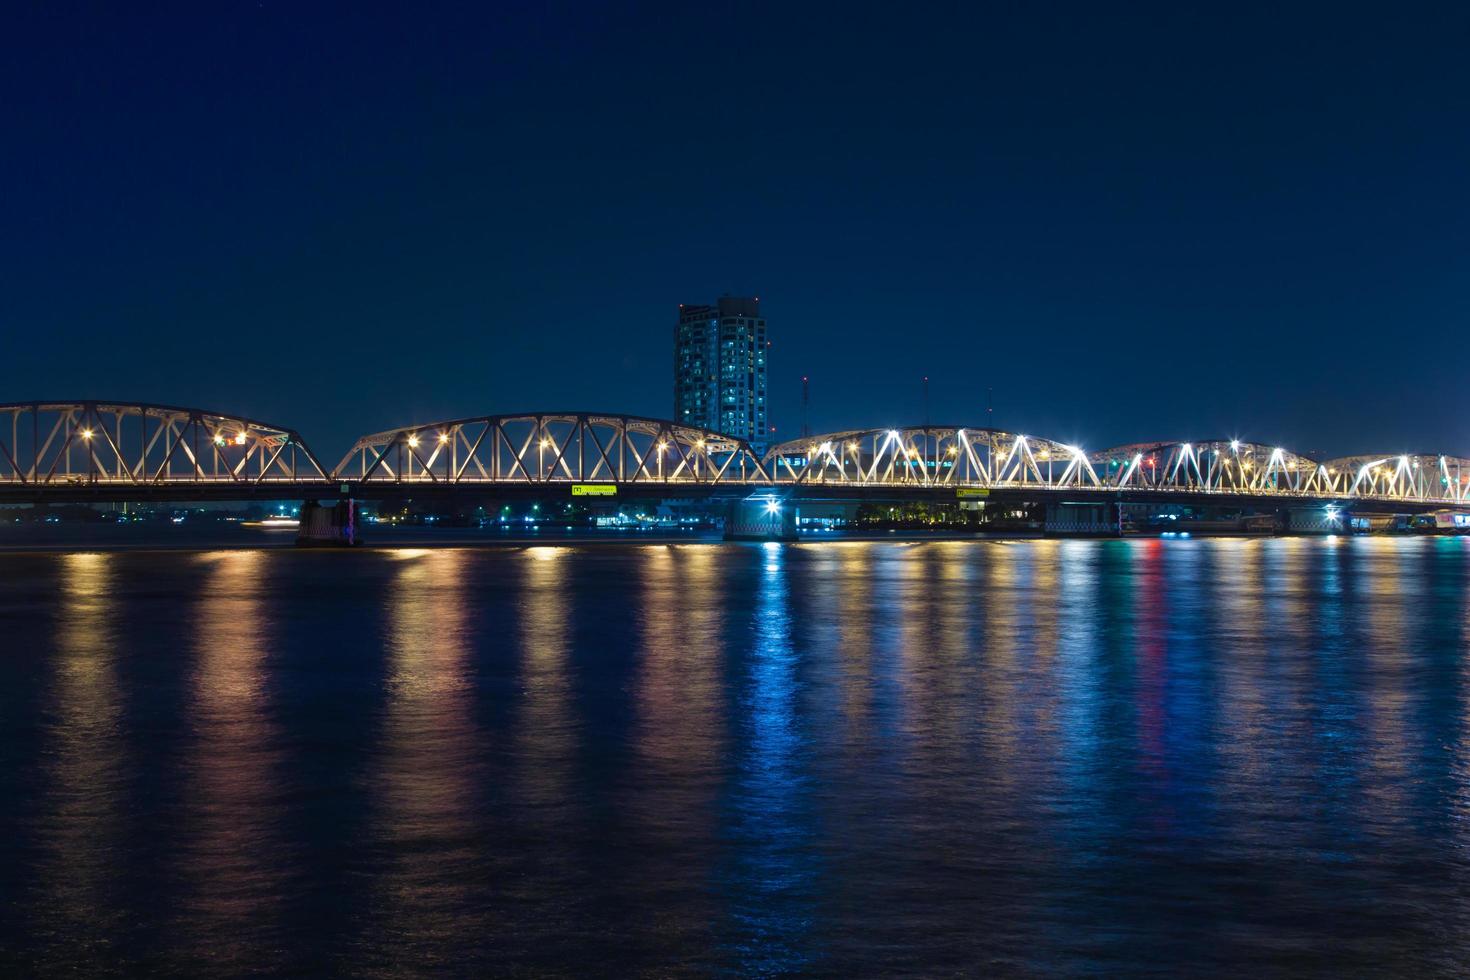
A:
109,443
932,456
1232,466
1396,476
991,458
145,450
551,447
1214,466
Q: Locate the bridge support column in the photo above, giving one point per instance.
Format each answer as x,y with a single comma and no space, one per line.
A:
1315,520
333,526
761,519
1096,519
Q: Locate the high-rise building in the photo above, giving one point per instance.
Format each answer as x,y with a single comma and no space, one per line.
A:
720,369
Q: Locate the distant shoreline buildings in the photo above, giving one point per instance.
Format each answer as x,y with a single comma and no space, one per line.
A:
720,354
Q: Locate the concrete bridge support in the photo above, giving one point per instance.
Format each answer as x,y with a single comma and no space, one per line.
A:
1315,520
761,519
1090,519
328,526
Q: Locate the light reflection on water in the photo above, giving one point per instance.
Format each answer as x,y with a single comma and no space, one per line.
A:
851,758
425,772
82,761
678,742
769,878
231,854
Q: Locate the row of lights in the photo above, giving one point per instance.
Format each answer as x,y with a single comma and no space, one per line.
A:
413,442
219,440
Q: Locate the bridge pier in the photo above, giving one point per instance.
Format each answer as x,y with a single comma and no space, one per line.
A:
1100,519
1315,520
333,526
761,519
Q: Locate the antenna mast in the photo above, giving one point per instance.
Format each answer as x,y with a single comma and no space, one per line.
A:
805,406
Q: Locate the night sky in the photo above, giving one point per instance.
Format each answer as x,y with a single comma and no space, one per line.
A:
1134,222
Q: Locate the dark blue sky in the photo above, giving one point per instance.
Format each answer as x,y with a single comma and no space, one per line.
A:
1133,221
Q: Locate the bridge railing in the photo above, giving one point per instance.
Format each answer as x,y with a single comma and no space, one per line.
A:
578,448
71,444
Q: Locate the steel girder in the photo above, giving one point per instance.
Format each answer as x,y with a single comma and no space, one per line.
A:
102,443
557,447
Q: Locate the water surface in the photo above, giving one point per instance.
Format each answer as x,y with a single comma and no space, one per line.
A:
1040,757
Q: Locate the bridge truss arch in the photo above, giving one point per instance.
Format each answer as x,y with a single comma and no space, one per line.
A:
61,444
551,447
149,451
1397,476
932,456
1214,466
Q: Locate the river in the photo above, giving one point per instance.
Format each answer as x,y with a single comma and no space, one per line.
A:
1181,756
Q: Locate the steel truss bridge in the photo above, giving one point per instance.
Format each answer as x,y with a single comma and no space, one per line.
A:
122,451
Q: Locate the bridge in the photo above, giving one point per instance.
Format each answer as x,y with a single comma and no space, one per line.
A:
989,458
119,451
